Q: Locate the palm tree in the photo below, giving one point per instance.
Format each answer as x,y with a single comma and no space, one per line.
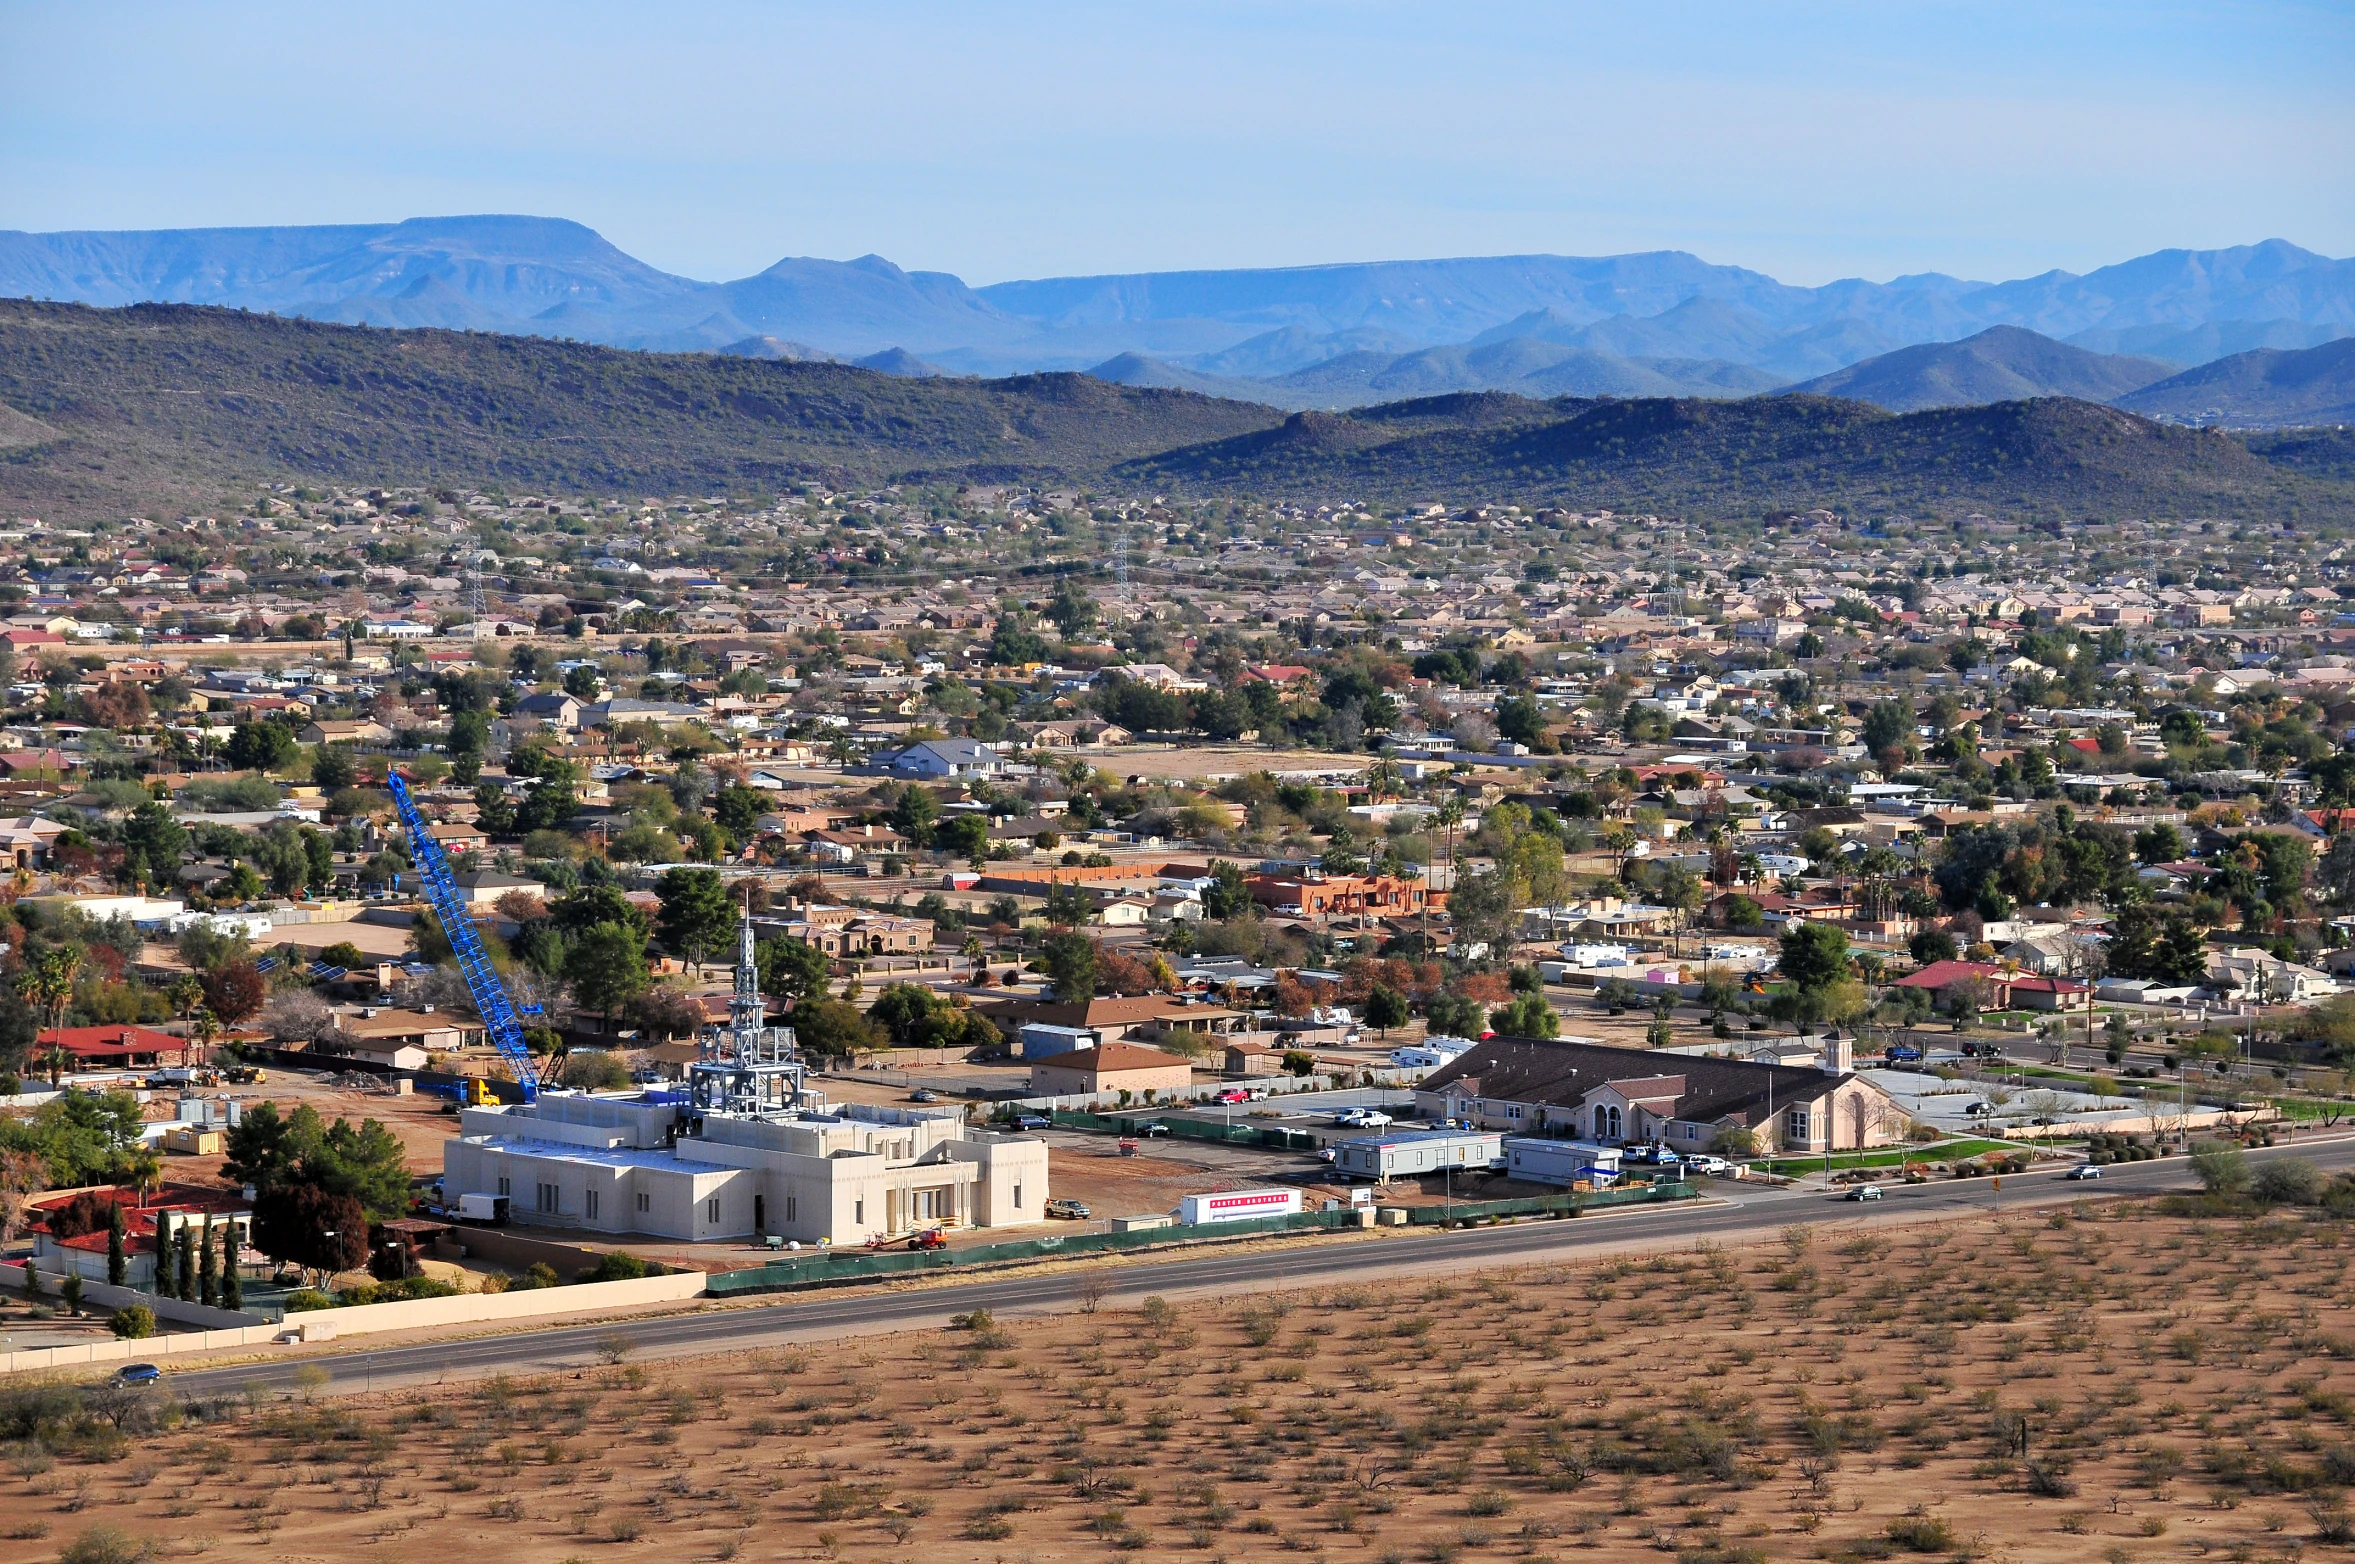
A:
54,1059
1449,814
50,981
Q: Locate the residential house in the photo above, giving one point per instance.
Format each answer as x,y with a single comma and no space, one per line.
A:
1318,896
362,730
117,1047
553,707
934,759
1998,987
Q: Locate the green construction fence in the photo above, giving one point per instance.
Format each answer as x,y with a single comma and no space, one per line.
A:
823,1267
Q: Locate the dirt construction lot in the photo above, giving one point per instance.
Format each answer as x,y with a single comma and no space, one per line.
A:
2107,1385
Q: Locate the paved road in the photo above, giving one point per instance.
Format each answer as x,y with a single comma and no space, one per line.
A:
862,1311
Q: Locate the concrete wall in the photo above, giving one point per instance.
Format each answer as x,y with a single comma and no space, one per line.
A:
372,1318
540,1303
502,1246
98,1296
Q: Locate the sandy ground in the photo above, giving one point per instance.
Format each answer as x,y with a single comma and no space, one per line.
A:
2108,1385
418,1120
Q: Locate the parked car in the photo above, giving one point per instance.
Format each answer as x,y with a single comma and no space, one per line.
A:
1152,1129
1714,1167
2080,1173
923,1094
1653,1155
1349,1118
1374,1119
1978,1109
1863,1192
1033,1121
1065,1209
1233,1095
138,1374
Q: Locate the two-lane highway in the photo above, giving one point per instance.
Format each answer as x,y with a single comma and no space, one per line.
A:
852,1311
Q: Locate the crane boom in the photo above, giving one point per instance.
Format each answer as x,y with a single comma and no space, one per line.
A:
498,1012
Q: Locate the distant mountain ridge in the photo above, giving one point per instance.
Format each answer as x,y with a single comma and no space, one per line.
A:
550,277
2267,388
2000,364
150,407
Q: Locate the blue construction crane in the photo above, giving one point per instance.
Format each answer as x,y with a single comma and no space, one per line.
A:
499,1014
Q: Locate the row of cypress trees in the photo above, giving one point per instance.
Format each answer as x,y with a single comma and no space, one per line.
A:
196,1271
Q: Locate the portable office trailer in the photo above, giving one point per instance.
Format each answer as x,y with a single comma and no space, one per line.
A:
1563,1162
1416,1152
1237,1205
1041,1041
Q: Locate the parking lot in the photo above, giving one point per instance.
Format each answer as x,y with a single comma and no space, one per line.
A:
1305,1112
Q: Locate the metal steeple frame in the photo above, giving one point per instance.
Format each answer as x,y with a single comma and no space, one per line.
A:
499,1014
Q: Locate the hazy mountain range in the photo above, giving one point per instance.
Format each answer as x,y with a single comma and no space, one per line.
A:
1657,324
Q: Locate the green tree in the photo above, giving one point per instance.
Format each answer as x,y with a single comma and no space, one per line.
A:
1452,1015
1386,1007
792,968
1228,895
333,769
696,917
261,746
2223,1169
1527,1016
1484,910
363,1162
833,1028
153,842
1930,945
913,815
1013,641
594,1070
606,966
1070,959
1518,718
738,809
1813,955
578,911
118,1261
964,836
1889,724
1071,609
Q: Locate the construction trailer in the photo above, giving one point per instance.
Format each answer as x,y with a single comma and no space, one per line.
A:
1236,1205
1564,1162
1413,1153
1037,1040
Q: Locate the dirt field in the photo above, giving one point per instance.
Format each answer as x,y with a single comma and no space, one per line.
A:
2112,1385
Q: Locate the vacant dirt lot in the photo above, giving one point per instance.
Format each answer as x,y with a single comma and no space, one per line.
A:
2108,1385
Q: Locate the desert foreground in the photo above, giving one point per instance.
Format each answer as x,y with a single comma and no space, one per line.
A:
2104,1383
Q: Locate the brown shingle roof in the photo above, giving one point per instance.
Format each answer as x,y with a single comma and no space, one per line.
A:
1113,1059
1558,1073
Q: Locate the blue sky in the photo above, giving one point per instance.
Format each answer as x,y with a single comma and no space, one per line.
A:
1811,142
